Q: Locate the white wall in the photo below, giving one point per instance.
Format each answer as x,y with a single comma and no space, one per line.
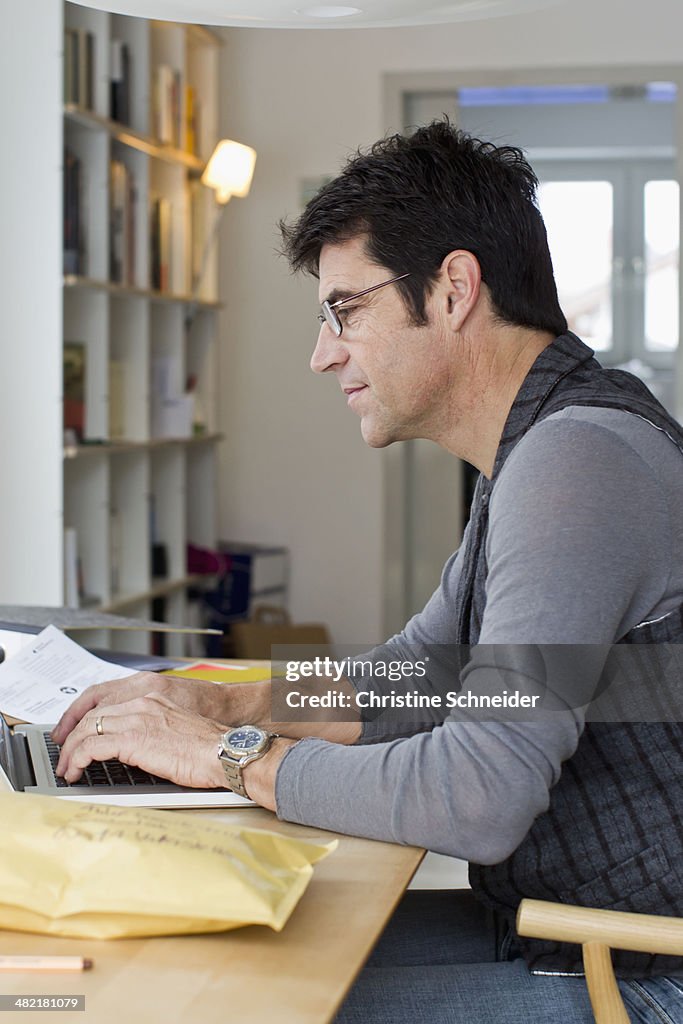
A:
296,469
31,315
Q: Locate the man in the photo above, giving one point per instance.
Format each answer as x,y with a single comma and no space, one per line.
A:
440,320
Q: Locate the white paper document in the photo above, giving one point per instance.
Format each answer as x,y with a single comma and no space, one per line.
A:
38,683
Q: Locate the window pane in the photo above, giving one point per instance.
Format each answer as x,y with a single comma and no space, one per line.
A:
578,217
661,265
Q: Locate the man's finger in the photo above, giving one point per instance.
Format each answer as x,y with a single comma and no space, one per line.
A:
74,713
87,726
94,748
134,710
113,692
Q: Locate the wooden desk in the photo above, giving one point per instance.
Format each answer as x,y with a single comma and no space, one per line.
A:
299,976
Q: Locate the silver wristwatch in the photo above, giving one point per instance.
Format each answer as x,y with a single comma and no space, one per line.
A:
238,748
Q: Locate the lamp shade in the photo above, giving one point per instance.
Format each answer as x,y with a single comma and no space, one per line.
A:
309,14
230,170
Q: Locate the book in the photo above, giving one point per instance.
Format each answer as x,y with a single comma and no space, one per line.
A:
114,550
122,199
86,69
198,233
74,256
120,79
176,116
166,104
268,565
160,244
74,387
79,68
192,126
222,673
122,224
71,79
172,416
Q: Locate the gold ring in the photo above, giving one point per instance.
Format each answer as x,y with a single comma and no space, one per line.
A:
98,726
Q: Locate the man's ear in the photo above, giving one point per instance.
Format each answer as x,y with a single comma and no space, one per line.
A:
461,281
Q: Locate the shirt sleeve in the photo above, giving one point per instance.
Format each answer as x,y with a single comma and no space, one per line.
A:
427,638
578,544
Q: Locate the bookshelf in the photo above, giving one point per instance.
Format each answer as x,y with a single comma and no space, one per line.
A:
137,466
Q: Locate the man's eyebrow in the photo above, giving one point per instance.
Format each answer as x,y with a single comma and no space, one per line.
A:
337,294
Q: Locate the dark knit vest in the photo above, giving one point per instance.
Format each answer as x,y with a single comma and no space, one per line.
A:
613,834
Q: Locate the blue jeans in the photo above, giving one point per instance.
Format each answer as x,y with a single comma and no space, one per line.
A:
438,962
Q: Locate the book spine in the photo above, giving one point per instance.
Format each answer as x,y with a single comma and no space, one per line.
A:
125,85
176,112
117,221
164,123
164,244
131,203
90,70
72,214
115,79
114,551
74,388
119,74
85,73
76,66
155,255
70,78
190,137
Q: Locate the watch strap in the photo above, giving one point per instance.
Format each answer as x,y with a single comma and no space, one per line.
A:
233,775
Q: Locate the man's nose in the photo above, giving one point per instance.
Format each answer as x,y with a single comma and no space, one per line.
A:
329,351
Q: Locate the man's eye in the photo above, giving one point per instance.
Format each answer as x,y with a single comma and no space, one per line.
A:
344,311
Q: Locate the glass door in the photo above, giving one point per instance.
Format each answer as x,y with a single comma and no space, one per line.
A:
613,232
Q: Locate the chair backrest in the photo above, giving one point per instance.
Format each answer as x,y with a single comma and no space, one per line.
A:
598,931
644,933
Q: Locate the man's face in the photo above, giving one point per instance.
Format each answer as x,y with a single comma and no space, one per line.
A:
395,376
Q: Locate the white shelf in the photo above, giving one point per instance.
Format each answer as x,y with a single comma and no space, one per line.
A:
78,281
132,485
134,140
126,447
160,588
136,481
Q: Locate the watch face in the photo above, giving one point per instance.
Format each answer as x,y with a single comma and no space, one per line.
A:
245,739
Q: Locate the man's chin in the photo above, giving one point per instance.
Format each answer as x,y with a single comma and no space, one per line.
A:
375,436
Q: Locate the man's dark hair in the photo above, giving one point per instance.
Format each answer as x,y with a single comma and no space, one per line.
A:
418,197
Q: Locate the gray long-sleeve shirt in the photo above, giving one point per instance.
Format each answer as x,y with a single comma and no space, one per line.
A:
585,541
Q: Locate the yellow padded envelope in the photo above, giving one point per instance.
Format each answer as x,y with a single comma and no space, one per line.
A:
97,871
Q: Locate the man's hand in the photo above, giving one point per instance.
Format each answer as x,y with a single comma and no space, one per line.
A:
149,732
203,698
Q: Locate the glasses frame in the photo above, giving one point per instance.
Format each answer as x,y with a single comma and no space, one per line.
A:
328,313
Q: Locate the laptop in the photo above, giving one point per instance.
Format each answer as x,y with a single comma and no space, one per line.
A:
28,758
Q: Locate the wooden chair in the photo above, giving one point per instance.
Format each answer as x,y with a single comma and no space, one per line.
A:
598,931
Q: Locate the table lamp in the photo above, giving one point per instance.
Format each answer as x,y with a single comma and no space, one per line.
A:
229,173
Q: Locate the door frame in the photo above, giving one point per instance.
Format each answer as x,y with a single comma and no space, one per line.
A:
397,470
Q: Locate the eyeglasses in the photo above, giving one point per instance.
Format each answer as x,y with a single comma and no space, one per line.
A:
328,314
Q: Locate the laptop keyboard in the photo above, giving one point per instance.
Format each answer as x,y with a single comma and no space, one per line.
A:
102,773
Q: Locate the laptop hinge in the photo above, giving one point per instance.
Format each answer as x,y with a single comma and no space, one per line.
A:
15,758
